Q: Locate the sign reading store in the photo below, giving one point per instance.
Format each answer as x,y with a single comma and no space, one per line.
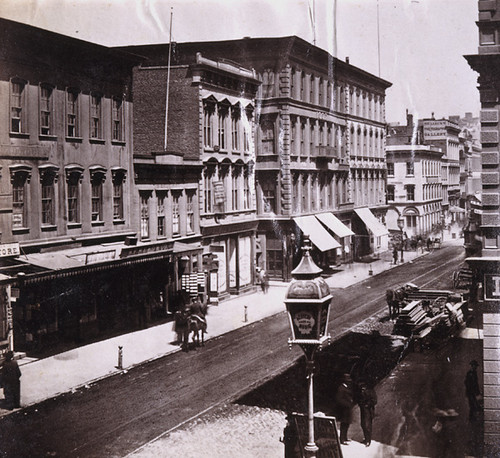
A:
9,249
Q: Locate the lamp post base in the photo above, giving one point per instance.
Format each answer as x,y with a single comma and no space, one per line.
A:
311,450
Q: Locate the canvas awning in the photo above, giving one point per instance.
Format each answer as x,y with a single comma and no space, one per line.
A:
319,236
334,224
372,223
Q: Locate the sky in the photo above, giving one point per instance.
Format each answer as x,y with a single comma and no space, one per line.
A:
418,45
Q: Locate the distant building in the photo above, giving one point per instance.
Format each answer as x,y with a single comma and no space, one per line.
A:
414,181
485,290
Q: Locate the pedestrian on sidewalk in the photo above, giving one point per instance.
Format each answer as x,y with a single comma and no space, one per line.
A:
264,280
10,377
367,399
345,403
395,254
472,390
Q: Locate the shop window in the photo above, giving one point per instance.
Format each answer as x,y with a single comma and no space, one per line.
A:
17,106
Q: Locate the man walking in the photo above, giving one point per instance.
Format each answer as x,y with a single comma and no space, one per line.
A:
10,375
472,390
367,399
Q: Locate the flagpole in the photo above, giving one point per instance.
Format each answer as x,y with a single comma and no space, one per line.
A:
168,79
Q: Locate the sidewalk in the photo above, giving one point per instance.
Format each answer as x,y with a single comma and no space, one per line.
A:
49,377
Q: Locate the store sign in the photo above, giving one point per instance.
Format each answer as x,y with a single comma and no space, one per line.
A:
219,192
9,249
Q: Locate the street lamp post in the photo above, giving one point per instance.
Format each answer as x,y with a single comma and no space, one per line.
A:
401,225
308,305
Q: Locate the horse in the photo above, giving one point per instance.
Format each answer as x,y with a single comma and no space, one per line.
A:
197,326
181,320
394,299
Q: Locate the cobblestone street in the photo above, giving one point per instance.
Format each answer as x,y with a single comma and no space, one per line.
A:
228,430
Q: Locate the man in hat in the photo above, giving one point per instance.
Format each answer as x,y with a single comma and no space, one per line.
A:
472,390
345,404
10,375
367,399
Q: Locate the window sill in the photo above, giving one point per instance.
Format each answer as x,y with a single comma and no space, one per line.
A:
20,230
97,141
74,139
118,142
19,135
51,138
74,225
118,221
48,228
97,223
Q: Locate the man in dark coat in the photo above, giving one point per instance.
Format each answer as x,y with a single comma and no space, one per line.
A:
345,404
472,390
367,399
10,375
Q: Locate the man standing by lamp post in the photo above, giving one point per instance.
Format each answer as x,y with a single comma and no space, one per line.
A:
401,225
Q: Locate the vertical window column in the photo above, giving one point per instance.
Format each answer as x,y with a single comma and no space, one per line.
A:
97,178
20,177
118,181
18,106
74,176
48,180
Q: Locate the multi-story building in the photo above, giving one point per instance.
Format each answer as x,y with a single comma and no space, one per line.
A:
485,291
414,181
210,124
320,163
67,208
444,134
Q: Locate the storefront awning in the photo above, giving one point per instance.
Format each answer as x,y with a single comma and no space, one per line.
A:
372,223
319,236
334,224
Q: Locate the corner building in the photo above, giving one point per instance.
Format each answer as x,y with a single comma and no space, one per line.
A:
485,290
319,149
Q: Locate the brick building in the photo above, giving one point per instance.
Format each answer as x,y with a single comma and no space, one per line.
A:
485,291
210,127
67,211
